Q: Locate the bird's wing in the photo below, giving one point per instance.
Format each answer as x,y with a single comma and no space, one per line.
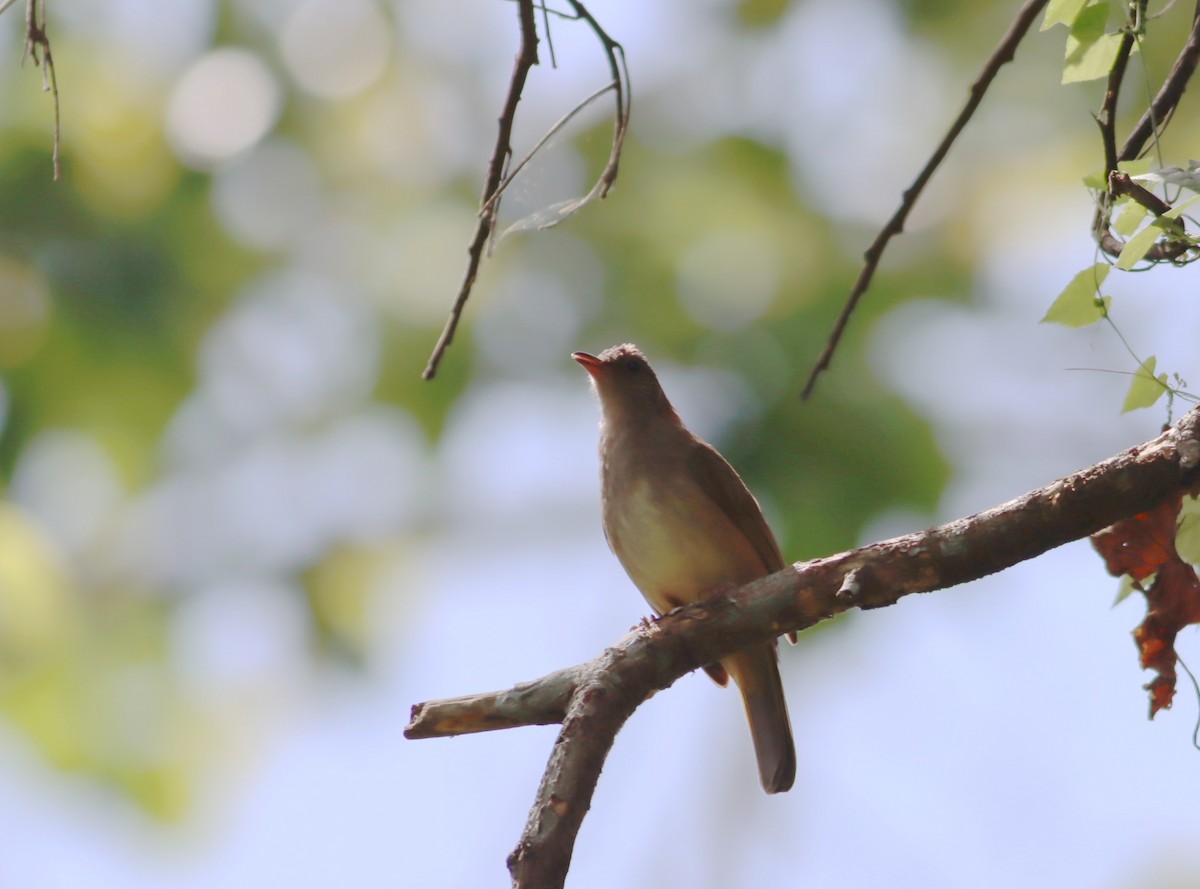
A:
721,482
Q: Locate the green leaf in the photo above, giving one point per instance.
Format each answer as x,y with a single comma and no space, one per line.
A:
1091,60
1136,166
761,13
1187,538
1135,248
1091,51
1078,305
1131,217
1177,211
1124,588
1146,388
1061,12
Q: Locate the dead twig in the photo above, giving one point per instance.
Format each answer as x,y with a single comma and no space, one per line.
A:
1002,54
1149,129
498,179
527,57
37,47
1155,118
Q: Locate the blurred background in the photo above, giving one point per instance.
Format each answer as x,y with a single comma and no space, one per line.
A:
240,537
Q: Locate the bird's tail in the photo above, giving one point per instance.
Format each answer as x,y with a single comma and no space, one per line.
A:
756,671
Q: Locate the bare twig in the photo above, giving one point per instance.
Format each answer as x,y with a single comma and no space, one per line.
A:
1150,127
499,179
593,700
555,128
1107,118
527,57
1158,115
1003,54
620,77
37,47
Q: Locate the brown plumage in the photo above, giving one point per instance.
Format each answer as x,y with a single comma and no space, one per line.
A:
685,526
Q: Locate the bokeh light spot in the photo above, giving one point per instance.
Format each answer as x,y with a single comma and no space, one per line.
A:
269,197
24,313
224,104
336,48
728,278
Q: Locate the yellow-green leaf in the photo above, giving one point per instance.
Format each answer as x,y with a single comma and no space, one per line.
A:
1178,210
1091,60
1146,388
1061,12
1135,167
1079,304
1135,248
1187,538
1131,217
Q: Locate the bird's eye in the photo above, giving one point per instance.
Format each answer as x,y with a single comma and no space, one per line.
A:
633,366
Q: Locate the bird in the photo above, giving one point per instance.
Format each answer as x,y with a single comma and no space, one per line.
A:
684,526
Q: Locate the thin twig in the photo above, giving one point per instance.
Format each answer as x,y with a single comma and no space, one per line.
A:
1106,119
499,177
36,40
1003,54
620,75
1159,114
549,36
624,102
555,128
527,57
1148,130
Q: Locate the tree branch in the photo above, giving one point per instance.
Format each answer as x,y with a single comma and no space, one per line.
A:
1156,117
527,57
1001,55
499,177
37,47
594,699
1151,126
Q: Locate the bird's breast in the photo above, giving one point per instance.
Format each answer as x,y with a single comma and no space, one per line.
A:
675,543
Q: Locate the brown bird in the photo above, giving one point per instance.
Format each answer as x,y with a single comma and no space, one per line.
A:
685,526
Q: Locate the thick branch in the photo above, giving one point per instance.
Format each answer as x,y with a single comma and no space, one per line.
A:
597,697
542,702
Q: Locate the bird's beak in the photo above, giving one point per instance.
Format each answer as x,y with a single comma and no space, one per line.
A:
591,363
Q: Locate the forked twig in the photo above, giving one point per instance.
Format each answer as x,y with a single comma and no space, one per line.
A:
555,128
1162,108
1148,129
498,179
527,57
37,47
1003,54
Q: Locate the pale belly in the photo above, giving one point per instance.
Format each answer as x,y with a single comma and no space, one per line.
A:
677,548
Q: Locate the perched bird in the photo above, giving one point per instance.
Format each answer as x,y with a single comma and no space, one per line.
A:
685,526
